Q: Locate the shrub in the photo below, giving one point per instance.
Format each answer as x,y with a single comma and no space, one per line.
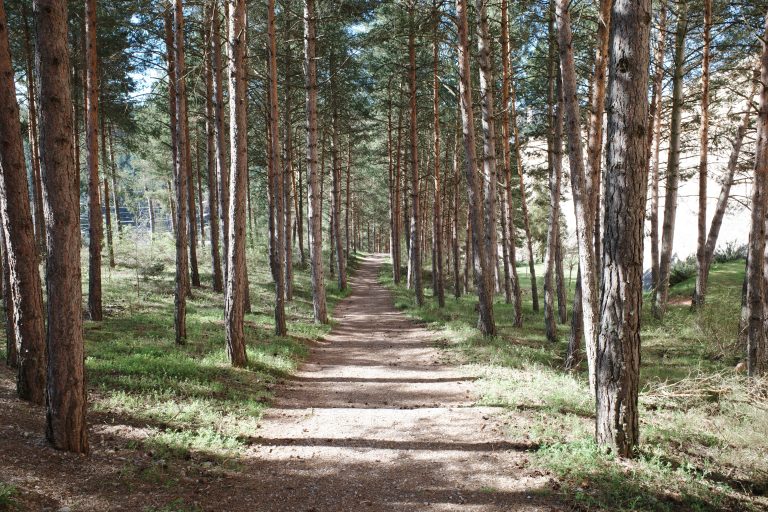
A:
682,270
731,252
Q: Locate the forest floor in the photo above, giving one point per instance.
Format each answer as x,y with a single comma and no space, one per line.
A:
378,417
703,423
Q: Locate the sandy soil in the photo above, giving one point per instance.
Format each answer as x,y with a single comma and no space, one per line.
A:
375,420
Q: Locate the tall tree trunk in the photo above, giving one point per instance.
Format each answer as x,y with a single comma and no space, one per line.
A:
20,250
654,137
288,160
700,291
673,166
455,224
66,402
210,131
507,117
152,221
485,323
523,197
185,148
11,348
396,249
336,240
562,301
583,203
348,193
34,149
107,212
276,189
234,298
618,353
437,228
555,164
222,171
725,190
95,226
176,25
314,208
199,179
113,168
485,61
755,278
414,257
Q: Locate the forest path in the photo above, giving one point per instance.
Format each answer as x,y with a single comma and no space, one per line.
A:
375,420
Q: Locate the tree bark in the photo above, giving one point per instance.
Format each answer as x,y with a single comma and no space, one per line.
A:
414,255
555,164
107,212
25,310
176,25
699,291
437,227
485,323
220,137
211,150
234,297
507,117
66,402
618,353
34,148
95,225
11,349
113,168
583,203
485,61
755,278
288,160
673,167
314,209
654,136
276,214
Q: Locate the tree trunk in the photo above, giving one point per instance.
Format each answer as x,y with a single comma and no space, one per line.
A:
582,201
20,251
523,198
107,212
179,94
654,137
725,190
95,226
485,323
152,221
66,402
673,167
555,164
199,179
755,313
699,291
222,169
234,297
437,228
210,132
396,249
414,255
314,209
348,193
34,149
455,224
618,354
485,61
508,107
11,348
287,170
276,193
113,168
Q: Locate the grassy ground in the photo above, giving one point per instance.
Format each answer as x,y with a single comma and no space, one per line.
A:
193,401
704,426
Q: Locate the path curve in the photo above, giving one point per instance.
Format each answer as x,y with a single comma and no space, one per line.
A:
375,420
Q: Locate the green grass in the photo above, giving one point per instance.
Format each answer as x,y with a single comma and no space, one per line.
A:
704,440
188,399
7,496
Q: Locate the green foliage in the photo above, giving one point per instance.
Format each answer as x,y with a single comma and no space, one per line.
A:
7,496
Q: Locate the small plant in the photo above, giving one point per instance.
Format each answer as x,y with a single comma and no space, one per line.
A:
7,494
682,270
731,252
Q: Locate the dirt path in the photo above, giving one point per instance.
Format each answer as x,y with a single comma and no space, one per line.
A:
375,421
